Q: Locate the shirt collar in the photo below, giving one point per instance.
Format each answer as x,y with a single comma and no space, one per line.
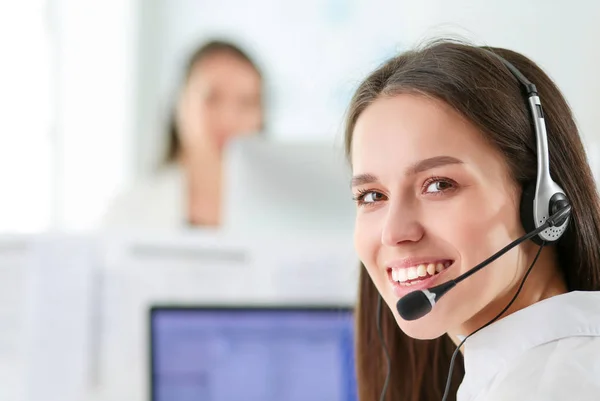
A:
572,314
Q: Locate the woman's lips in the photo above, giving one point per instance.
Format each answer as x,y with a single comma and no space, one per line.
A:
408,279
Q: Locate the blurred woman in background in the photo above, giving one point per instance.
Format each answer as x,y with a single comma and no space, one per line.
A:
222,98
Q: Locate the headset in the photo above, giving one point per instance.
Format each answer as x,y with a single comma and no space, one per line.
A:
544,197
545,213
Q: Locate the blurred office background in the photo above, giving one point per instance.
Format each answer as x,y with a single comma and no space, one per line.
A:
87,86
86,89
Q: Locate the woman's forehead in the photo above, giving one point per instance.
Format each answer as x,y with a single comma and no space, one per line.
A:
396,132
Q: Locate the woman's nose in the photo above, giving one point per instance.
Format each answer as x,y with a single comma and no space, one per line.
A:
401,225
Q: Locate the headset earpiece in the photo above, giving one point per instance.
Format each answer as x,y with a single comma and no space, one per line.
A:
543,197
556,202
527,202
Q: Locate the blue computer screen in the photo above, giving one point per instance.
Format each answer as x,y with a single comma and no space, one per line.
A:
252,354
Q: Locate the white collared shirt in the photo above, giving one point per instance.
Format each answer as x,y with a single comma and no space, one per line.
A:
548,351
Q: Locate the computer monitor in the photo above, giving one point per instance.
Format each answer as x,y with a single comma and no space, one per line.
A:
286,187
263,354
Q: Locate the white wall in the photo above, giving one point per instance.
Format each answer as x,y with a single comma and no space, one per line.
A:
25,117
117,64
314,52
95,74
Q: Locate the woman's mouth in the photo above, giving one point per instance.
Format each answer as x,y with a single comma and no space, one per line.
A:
408,276
405,279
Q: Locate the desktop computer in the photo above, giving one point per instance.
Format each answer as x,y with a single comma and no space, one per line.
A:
287,187
252,353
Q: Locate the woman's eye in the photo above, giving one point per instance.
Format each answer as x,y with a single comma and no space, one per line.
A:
369,197
438,186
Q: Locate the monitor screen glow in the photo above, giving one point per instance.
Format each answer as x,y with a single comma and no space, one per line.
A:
252,354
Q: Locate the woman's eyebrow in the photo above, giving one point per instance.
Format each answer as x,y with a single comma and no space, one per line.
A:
432,162
418,167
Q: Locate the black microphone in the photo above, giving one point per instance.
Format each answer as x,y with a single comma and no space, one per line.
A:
418,303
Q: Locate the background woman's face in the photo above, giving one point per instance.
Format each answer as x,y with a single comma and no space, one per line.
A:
222,100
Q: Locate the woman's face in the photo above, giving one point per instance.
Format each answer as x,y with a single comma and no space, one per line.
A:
222,100
434,200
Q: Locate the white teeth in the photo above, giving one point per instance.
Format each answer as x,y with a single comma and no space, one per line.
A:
402,275
431,269
439,267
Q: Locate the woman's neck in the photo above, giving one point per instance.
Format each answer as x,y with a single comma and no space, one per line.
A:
544,281
203,179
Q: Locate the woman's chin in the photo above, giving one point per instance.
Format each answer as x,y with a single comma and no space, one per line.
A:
425,328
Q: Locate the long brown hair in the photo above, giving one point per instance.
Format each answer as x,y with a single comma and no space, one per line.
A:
482,89
202,53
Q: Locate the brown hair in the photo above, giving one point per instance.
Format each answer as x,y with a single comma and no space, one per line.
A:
205,51
481,88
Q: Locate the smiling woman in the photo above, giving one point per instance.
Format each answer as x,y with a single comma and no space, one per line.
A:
424,210
442,147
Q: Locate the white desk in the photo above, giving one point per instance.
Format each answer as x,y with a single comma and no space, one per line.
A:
207,269
77,306
14,253
61,276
